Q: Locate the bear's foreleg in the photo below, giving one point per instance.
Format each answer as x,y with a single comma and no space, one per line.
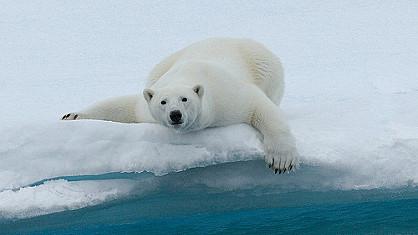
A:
279,145
118,109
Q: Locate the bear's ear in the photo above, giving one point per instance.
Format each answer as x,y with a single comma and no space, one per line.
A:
148,94
198,89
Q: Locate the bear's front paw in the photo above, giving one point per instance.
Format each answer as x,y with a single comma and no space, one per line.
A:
281,161
71,116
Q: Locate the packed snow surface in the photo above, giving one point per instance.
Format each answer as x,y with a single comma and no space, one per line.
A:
351,95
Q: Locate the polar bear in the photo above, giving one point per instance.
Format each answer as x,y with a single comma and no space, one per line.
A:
211,83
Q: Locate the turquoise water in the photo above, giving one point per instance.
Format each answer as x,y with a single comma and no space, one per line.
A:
178,206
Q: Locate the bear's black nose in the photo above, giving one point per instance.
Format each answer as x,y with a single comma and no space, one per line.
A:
175,116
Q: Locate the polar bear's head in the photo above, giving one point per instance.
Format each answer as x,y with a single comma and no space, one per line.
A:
175,107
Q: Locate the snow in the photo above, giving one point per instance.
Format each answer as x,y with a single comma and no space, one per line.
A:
58,195
351,93
96,147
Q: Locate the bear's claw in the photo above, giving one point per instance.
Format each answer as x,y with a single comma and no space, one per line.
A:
70,116
281,162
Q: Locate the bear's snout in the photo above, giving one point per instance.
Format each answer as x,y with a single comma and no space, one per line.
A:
175,116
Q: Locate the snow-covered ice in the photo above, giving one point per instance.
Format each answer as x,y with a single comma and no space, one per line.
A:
97,147
58,195
351,94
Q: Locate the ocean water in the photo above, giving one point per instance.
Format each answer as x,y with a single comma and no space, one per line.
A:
177,207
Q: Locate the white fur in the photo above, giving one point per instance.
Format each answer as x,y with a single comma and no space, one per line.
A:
224,81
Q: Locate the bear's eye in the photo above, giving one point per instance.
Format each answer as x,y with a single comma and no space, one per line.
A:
163,102
184,100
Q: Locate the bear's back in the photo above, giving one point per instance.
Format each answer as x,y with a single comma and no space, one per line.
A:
244,59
